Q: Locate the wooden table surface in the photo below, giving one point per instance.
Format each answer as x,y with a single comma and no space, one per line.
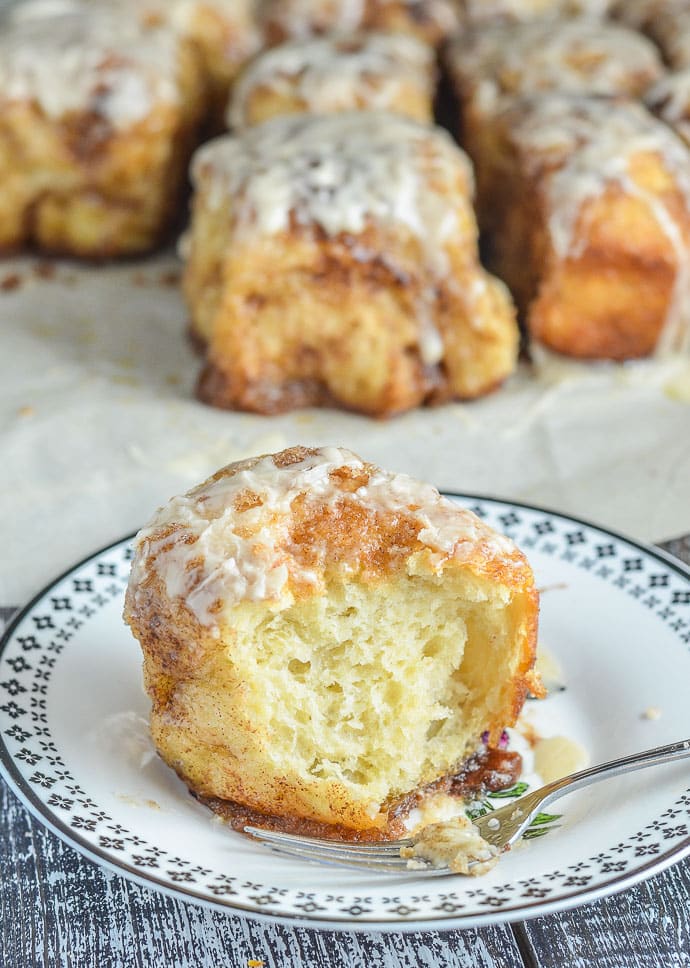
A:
57,908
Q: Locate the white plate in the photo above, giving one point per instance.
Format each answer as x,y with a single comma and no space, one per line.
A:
74,746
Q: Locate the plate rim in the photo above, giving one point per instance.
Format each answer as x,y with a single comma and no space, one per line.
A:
523,911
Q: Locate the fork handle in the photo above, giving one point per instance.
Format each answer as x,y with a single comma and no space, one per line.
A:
626,764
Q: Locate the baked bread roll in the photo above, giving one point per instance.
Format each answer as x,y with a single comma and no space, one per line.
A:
491,65
586,208
639,14
487,11
98,116
669,99
430,20
324,75
323,640
670,28
225,33
333,260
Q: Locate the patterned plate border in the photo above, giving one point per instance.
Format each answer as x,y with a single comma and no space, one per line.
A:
26,665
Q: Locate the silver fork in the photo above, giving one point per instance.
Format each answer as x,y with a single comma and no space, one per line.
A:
500,828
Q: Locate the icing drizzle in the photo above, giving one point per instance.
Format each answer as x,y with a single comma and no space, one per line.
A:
228,539
336,72
581,56
88,60
338,172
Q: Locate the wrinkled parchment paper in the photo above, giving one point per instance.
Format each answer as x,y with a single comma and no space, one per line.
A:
99,424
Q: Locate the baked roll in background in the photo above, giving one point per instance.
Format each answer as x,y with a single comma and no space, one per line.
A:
323,640
98,118
324,75
225,33
669,99
670,28
588,204
640,14
430,20
334,260
487,11
490,65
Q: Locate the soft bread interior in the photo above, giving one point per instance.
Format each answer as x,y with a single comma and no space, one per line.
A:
341,704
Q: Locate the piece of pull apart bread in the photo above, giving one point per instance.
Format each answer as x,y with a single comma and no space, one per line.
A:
327,643
586,209
224,34
492,64
345,72
98,117
333,260
430,20
516,11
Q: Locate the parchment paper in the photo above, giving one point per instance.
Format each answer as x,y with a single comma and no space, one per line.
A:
99,425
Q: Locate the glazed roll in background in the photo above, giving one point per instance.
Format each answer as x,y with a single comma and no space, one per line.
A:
334,260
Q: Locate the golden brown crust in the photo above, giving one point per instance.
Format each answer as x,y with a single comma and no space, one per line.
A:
617,291
488,771
78,186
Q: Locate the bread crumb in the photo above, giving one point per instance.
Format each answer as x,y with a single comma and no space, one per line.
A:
26,411
456,844
10,282
651,712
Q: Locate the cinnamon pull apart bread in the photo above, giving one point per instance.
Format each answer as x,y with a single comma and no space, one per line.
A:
670,28
333,260
639,14
430,20
325,642
490,65
323,75
587,212
98,117
487,11
669,99
225,33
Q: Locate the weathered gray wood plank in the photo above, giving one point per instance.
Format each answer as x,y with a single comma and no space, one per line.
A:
58,909
646,927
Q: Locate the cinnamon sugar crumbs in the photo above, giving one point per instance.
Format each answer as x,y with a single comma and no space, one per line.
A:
11,282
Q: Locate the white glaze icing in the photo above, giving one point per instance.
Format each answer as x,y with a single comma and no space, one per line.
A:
218,552
89,60
337,73
180,15
338,172
580,56
587,144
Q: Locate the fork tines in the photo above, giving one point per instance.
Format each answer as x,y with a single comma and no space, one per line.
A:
383,857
